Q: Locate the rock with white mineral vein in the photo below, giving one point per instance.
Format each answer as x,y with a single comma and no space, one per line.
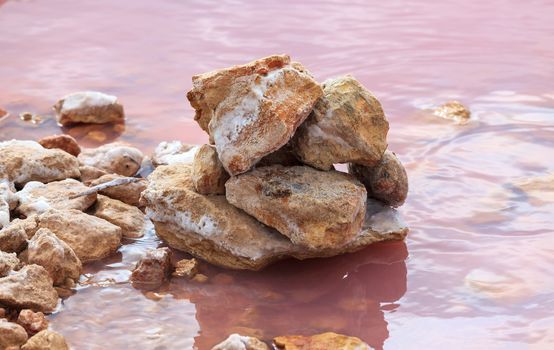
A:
252,110
208,174
46,340
33,322
347,125
117,158
88,107
128,193
129,218
13,238
153,269
63,142
321,341
8,263
171,152
12,335
240,342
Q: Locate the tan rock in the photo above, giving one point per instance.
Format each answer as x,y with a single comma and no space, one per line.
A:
29,288
171,152
47,250
315,209
12,335
239,342
129,218
90,173
8,201
252,110
200,278
153,269
128,193
24,161
324,341
453,110
13,238
33,322
8,263
346,125
208,174
63,142
117,158
46,340
36,197
88,107
387,181
186,268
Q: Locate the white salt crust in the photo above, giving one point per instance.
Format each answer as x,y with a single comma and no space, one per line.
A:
234,342
86,99
171,152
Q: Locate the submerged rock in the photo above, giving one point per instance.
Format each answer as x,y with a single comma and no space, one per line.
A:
33,322
453,110
173,152
129,218
46,340
12,335
153,269
63,142
128,193
240,342
208,174
8,263
186,268
347,125
252,110
88,107
324,341
117,158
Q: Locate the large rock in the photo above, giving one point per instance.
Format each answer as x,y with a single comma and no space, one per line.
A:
36,197
316,209
346,125
12,335
29,288
324,341
153,269
117,158
208,174
24,161
240,342
252,110
129,218
13,238
8,263
63,142
128,193
88,107
46,340
173,152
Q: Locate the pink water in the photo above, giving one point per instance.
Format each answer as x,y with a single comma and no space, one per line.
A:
476,269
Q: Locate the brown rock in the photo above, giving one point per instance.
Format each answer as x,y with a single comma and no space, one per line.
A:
46,340
88,107
239,342
24,161
208,174
33,322
453,110
8,263
12,335
114,157
186,268
13,238
47,250
130,219
36,197
128,193
252,110
284,156
173,152
90,173
29,288
153,269
324,341
387,181
346,125
63,142
318,210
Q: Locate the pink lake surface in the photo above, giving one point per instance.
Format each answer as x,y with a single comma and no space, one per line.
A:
476,271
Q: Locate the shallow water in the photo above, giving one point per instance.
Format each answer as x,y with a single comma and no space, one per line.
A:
475,271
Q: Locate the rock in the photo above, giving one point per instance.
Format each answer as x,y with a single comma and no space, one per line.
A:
315,209
90,237
346,125
24,161
12,335
200,278
88,107
240,342
387,181
33,322
284,156
8,263
453,110
116,158
173,152
29,288
186,268
47,250
252,110
128,193
324,341
153,269
36,197
4,213
63,142
8,201
208,174
90,173
130,219
46,340
13,238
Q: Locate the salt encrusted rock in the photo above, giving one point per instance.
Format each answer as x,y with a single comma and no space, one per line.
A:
316,209
13,238
186,268
173,152
24,161
46,340
453,110
153,269
12,335
8,201
129,218
208,174
88,107
90,237
240,342
346,125
322,341
36,197
63,142
128,193
4,213
29,288
33,322
8,263
387,181
117,158
47,250
90,173
252,110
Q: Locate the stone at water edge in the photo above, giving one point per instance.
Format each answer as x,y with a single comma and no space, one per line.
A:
186,268
171,152
8,263
239,342
12,335
208,174
63,142
129,218
33,322
88,107
323,341
128,193
46,340
116,157
254,109
153,269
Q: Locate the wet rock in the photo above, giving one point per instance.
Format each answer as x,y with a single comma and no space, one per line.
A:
13,238
63,142
88,107
322,341
12,335
33,322
47,250
173,152
36,197
208,174
129,218
128,193
453,110
46,340
117,158
315,209
186,268
252,110
346,125
29,288
24,161
240,342
200,278
387,181
90,173
153,269
8,263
